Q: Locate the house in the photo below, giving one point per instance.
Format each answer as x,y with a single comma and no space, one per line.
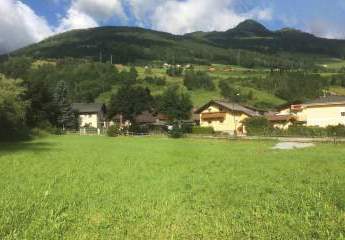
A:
321,112
91,114
225,116
282,121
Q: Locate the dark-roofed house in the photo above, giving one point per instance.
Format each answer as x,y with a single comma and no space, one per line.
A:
225,116
146,118
90,114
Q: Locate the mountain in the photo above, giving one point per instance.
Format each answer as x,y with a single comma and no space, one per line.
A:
253,36
132,44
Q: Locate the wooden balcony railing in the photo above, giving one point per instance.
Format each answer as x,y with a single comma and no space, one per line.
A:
214,116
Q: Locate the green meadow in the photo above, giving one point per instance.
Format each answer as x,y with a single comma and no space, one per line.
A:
74,187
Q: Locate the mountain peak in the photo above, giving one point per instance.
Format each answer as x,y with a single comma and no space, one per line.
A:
251,26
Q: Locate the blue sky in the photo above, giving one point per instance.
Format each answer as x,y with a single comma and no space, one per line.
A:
23,22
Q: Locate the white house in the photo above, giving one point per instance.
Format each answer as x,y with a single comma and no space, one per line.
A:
90,114
321,112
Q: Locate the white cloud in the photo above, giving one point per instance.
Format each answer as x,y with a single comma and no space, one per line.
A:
192,15
88,13
100,9
20,26
142,10
75,20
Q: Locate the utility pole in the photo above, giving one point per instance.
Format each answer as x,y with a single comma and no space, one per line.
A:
234,113
111,59
239,58
100,56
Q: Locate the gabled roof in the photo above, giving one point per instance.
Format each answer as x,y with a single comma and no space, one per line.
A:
145,117
326,100
230,106
281,118
88,107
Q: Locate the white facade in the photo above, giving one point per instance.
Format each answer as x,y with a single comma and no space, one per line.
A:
89,120
323,116
319,115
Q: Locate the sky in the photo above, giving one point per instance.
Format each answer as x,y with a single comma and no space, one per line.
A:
23,22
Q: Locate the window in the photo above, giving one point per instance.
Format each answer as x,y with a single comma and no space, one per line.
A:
343,114
209,110
90,115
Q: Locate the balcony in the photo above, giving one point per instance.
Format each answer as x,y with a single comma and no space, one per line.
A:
213,116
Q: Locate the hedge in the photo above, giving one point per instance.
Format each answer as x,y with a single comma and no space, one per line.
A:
260,126
202,130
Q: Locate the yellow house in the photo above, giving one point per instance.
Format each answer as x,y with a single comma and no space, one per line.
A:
321,112
225,116
90,114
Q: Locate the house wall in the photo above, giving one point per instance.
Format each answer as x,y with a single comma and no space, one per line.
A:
324,116
285,111
228,125
89,119
282,125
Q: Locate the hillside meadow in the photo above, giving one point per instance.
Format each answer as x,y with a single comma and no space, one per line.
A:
72,187
200,97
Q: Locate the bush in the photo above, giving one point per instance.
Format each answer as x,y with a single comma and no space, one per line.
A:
20,134
176,132
141,129
258,126
198,80
203,130
187,127
113,131
37,132
336,131
303,131
159,81
175,71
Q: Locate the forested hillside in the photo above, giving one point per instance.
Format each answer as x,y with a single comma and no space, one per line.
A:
250,44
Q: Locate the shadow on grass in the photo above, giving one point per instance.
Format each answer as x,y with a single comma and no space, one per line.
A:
27,146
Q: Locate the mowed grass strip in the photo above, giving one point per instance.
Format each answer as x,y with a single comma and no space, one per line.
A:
75,187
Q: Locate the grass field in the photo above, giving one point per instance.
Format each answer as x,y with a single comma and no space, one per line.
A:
75,187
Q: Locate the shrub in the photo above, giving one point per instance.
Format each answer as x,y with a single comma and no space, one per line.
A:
258,126
176,132
187,127
37,132
175,71
113,131
141,129
304,131
198,80
336,131
159,81
203,130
